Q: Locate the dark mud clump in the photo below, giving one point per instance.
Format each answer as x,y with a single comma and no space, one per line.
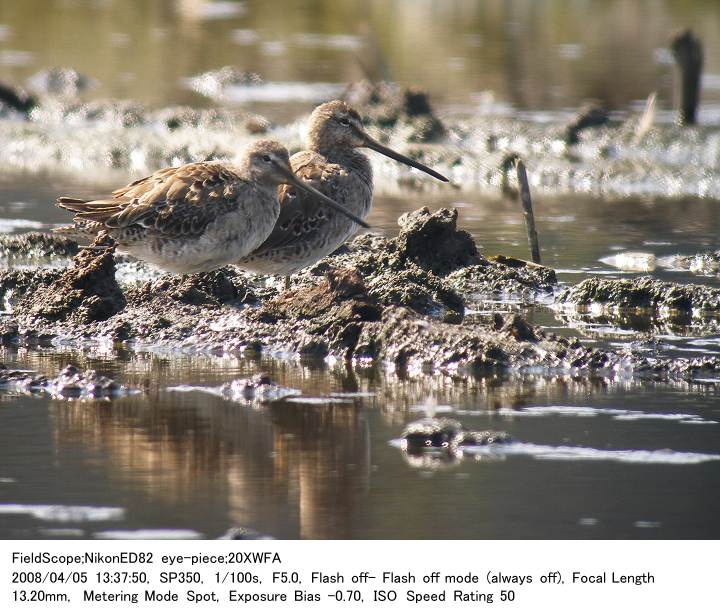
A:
46,245
388,106
332,313
590,115
643,294
17,284
15,100
407,270
433,241
60,81
82,294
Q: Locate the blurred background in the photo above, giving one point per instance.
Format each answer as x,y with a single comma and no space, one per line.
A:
519,54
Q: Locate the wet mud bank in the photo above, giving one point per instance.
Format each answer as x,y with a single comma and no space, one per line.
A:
589,152
644,295
399,303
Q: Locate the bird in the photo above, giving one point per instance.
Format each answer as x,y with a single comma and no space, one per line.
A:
198,216
306,230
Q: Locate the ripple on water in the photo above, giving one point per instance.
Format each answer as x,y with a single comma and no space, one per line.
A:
629,456
570,452
590,411
65,513
145,534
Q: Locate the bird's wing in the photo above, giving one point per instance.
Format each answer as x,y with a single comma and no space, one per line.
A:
300,213
177,201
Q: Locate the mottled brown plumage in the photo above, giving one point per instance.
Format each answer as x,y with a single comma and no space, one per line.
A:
195,217
306,230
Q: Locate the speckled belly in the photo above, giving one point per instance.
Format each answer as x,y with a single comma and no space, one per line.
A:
308,249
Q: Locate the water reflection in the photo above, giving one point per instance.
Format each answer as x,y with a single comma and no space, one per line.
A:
532,55
300,470
198,463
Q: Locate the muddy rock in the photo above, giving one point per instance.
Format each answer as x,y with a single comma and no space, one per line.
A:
431,433
399,271
590,115
376,301
642,294
82,294
16,284
406,339
333,312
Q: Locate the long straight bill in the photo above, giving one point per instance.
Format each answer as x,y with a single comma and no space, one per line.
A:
295,181
379,147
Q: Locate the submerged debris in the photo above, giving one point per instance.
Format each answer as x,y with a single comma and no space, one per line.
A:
447,434
257,390
70,383
590,115
15,99
704,263
60,81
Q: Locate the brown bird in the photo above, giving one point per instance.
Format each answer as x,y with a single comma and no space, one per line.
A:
199,216
306,230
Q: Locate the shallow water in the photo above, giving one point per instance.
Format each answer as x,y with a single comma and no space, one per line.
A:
492,55
592,457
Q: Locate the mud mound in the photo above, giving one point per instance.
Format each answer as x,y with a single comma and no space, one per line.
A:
84,293
504,277
433,241
214,288
642,294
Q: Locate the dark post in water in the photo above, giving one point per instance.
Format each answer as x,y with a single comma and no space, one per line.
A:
688,53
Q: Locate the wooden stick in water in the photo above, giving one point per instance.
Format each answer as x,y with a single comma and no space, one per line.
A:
647,119
526,202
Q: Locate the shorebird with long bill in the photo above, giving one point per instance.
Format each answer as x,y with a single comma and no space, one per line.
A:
307,230
199,216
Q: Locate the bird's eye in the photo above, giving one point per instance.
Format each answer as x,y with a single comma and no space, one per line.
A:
345,121
267,158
